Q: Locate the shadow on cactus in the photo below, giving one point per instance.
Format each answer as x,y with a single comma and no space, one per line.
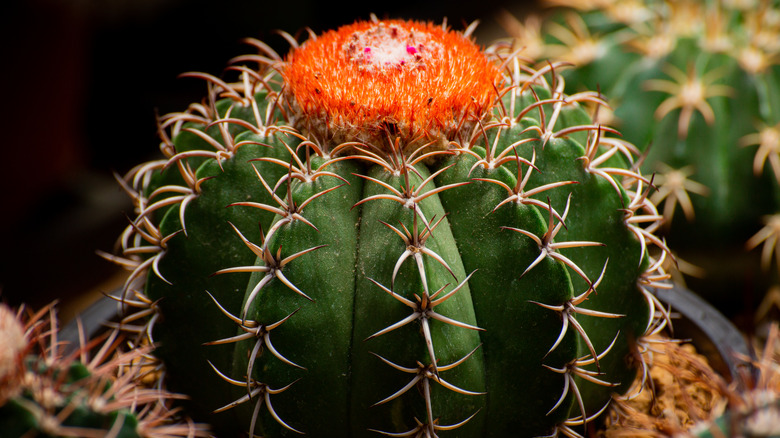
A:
392,232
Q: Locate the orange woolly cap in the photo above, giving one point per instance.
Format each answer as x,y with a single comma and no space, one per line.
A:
409,78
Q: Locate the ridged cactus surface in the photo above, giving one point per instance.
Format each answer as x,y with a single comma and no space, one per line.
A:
391,231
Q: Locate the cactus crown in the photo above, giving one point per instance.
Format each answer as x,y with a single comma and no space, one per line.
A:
414,79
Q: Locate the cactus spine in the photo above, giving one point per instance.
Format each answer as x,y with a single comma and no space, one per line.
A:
447,243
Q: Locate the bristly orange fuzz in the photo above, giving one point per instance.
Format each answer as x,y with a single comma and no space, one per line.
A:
413,79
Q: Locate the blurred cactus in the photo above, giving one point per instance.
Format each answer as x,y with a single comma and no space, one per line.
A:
696,86
47,393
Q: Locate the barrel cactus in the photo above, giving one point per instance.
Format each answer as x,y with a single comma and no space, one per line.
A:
693,84
93,391
392,231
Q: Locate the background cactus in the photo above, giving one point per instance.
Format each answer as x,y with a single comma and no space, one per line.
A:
693,84
46,392
447,243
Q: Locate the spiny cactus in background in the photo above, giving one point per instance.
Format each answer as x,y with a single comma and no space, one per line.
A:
47,393
694,84
390,231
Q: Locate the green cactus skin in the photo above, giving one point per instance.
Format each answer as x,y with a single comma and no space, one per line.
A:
694,84
481,273
45,393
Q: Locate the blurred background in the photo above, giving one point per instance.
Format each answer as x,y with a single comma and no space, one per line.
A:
86,78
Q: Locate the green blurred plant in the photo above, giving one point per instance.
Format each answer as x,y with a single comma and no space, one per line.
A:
47,393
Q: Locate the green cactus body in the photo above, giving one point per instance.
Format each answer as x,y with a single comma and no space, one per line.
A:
694,85
382,242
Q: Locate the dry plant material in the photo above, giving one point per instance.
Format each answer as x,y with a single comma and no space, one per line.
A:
683,390
685,397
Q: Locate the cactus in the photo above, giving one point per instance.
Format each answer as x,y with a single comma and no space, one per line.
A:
45,392
694,84
391,231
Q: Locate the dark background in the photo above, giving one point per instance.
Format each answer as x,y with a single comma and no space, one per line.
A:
83,80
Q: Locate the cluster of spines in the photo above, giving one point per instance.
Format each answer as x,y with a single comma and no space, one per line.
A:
96,390
144,245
